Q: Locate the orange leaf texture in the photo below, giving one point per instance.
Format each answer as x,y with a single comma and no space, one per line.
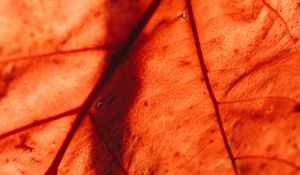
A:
150,87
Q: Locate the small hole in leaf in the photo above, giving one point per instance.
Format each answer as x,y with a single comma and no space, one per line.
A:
99,104
183,15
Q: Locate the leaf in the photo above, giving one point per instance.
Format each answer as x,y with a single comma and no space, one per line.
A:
170,87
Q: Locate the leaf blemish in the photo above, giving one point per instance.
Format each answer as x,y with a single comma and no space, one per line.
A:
184,63
297,108
111,100
146,103
24,147
110,173
262,166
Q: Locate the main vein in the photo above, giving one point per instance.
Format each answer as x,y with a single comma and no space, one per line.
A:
111,65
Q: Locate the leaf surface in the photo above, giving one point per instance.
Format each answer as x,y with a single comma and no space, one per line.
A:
170,87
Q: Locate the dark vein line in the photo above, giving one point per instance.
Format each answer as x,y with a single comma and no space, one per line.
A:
256,99
40,122
107,145
111,65
294,39
272,61
56,52
208,85
271,159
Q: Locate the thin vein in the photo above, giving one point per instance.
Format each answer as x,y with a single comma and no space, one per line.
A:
281,18
107,145
208,85
40,122
57,52
283,161
272,61
256,99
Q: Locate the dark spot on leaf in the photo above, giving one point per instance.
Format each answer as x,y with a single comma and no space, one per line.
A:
256,116
191,107
243,169
295,146
146,103
139,138
110,172
165,47
151,171
50,41
166,171
56,61
111,100
210,141
212,130
97,14
295,39
24,147
35,160
184,63
297,108
262,166
177,154
269,109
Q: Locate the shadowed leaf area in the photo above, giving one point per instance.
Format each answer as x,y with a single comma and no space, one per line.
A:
150,87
